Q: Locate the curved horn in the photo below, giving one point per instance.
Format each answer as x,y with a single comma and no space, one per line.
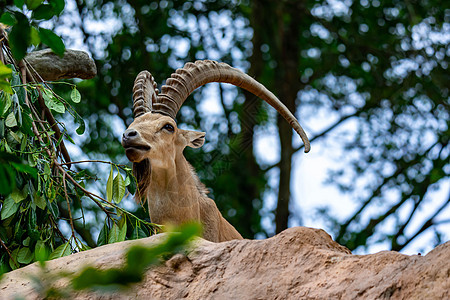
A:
193,75
144,93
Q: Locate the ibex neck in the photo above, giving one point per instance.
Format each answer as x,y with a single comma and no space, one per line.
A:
175,183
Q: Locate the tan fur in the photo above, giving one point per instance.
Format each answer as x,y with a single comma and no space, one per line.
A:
174,193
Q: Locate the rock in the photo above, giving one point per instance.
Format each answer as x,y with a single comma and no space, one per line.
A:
299,263
74,64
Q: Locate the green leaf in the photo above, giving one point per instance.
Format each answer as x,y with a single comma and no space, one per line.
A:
24,144
47,170
3,235
25,169
35,40
52,102
58,5
75,95
5,102
52,40
26,242
7,148
40,251
132,186
16,80
61,251
18,195
27,124
138,233
11,120
13,260
19,37
6,86
81,125
19,3
127,180
84,247
7,179
103,236
39,200
123,228
117,233
7,19
33,4
32,160
16,137
43,12
5,71
24,256
9,208
118,188
114,234
52,206
109,186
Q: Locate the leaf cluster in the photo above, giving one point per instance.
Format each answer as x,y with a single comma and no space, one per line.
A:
40,192
25,30
32,188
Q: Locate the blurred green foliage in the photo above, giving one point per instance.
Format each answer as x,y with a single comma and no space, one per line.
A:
379,68
138,259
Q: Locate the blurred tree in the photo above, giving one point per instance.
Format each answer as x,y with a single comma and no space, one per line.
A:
378,65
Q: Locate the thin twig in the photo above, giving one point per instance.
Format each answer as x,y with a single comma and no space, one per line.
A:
51,119
9,253
94,161
68,204
86,192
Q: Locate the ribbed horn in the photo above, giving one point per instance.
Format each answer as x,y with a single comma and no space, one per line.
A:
193,75
144,93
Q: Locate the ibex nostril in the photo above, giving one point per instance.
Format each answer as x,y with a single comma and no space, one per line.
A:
130,133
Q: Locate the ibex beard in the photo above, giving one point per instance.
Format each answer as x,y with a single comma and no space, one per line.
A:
155,144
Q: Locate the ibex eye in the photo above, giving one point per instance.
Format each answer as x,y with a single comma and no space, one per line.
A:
169,127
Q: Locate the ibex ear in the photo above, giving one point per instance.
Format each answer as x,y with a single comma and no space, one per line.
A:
194,139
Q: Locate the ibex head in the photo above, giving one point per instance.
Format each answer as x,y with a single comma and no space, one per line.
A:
154,138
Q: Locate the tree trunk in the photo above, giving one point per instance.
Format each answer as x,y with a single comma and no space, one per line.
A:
287,79
248,120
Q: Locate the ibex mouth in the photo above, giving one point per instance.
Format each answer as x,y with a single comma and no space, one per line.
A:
135,152
137,147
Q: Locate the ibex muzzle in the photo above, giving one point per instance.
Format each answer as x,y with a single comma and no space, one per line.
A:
155,145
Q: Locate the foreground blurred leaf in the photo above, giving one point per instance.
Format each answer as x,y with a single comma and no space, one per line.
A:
138,259
19,37
8,19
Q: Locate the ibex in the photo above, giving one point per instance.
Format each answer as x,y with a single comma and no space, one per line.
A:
155,145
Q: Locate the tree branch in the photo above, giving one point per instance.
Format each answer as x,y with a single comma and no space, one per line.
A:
424,227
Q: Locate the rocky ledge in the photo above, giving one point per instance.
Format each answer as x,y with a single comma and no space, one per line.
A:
299,263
